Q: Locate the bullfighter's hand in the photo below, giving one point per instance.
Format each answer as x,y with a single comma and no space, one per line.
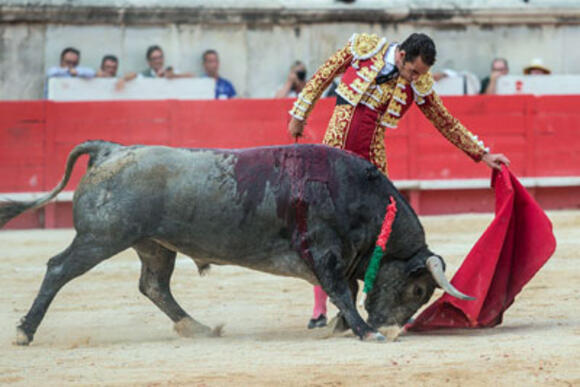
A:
295,127
495,160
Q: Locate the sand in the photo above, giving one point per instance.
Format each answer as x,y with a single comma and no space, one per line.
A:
101,331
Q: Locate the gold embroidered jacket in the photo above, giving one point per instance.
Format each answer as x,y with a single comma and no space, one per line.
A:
360,61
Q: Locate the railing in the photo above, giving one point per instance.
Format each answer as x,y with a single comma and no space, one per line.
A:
539,135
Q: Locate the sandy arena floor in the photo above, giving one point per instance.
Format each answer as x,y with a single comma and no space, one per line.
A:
101,330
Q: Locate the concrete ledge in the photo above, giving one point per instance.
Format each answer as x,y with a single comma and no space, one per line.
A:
402,185
280,15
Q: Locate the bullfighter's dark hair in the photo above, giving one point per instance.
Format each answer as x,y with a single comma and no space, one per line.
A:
70,49
419,45
150,50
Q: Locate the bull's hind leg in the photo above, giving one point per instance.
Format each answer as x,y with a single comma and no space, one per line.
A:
83,254
157,263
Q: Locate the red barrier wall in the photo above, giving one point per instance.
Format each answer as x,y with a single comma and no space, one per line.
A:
537,133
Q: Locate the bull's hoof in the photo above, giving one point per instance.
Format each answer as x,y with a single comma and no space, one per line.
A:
22,337
375,336
188,327
392,332
339,324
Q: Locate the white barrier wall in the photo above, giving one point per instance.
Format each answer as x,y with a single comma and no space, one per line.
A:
99,89
539,84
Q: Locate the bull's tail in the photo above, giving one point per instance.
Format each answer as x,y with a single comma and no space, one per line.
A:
11,209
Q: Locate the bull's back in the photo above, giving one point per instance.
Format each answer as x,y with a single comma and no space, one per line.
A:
212,202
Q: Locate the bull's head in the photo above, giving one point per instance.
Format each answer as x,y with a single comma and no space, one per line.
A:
402,287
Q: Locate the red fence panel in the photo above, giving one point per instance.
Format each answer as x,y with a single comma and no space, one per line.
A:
22,142
538,134
555,128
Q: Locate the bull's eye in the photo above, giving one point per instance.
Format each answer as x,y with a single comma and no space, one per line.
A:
418,291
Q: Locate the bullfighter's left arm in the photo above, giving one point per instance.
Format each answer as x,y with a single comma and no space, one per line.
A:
430,104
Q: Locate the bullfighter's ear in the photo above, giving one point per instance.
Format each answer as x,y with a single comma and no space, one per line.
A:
373,173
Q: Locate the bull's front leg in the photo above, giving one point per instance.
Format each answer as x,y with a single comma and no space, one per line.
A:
327,269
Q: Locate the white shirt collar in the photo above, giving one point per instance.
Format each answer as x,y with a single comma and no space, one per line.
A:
390,54
389,59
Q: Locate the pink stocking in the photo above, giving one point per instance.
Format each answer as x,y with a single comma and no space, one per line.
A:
320,298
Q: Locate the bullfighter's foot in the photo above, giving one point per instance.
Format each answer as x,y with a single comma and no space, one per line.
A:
22,337
318,322
188,327
375,336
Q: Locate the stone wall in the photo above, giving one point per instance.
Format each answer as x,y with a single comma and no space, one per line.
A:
258,40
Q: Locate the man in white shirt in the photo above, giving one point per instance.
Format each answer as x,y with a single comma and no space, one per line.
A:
69,66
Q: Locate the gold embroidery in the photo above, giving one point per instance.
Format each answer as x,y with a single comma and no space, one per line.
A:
359,85
363,46
451,128
367,74
377,155
335,65
335,135
389,121
345,92
423,85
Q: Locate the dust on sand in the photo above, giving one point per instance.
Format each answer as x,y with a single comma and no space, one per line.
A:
101,330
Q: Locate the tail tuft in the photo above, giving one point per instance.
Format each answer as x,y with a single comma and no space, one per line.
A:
11,209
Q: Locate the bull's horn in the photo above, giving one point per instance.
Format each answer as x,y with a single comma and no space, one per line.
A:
435,266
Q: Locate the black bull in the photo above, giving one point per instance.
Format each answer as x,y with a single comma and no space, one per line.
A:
305,211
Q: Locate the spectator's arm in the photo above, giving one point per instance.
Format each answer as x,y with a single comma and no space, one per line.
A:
492,84
85,72
284,90
171,74
57,72
120,84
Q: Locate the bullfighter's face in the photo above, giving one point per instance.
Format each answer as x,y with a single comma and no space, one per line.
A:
410,70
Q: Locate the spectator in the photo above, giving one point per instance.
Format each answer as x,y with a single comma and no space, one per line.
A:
294,82
536,67
211,63
499,67
69,66
155,59
156,69
109,67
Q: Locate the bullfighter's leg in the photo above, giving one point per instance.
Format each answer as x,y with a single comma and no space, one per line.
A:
337,287
157,263
83,254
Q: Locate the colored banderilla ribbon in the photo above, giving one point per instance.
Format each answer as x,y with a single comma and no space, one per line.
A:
379,251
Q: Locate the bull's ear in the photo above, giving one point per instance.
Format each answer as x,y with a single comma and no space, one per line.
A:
417,264
414,266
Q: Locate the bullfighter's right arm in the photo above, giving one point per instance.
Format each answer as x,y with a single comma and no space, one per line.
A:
314,88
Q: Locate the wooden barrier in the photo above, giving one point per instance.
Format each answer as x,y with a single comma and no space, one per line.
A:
537,134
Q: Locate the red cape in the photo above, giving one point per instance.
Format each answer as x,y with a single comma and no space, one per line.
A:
514,247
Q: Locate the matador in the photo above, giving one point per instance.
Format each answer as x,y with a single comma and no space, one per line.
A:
380,81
